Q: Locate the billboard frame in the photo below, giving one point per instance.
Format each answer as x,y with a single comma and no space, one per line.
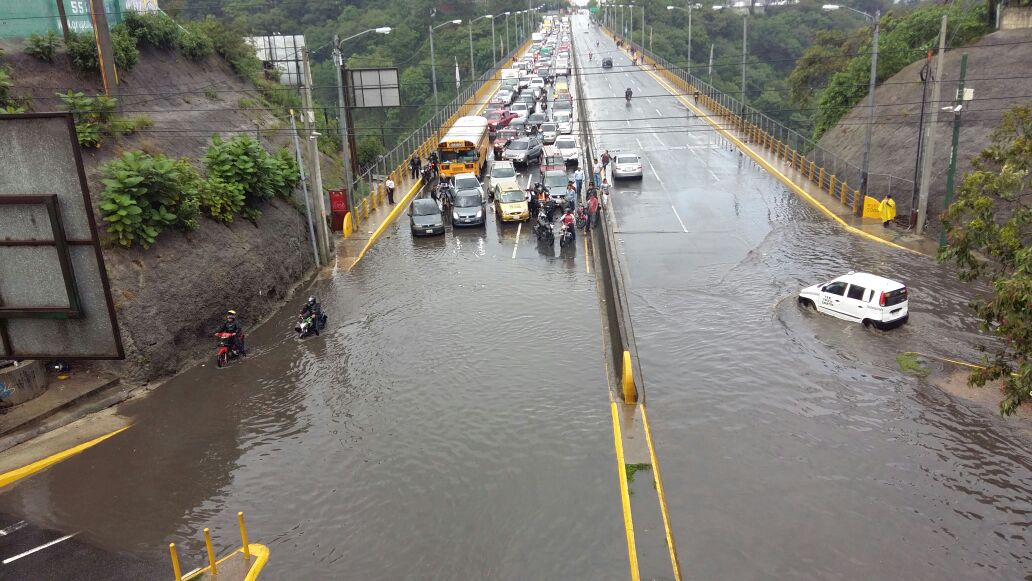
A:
94,241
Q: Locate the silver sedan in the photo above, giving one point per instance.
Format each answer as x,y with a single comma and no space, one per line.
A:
627,165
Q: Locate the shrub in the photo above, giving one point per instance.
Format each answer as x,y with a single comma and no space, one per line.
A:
221,199
94,117
43,47
193,46
242,160
145,194
5,86
155,29
88,134
230,45
82,50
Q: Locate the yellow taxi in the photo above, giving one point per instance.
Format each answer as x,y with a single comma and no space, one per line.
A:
562,90
510,201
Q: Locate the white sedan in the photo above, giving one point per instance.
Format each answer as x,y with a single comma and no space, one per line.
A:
567,146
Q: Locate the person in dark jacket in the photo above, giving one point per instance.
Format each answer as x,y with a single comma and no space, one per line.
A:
231,325
312,307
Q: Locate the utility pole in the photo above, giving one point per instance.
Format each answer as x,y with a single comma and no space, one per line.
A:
313,154
304,188
929,152
957,110
745,39
690,4
926,75
64,19
349,180
711,65
105,50
865,172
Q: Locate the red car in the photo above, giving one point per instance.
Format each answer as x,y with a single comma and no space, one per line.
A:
499,118
502,139
564,46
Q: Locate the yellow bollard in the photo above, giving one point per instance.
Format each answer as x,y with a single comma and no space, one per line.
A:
856,200
630,392
831,185
243,536
842,194
348,229
175,562
820,179
211,551
365,208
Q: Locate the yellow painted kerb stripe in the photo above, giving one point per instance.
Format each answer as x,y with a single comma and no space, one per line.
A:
775,172
260,554
625,498
17,474
661,493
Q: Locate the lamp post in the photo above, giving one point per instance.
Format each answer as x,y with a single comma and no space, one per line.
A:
472,68
433,64
508,42
864,171
689,11
494,49
338,59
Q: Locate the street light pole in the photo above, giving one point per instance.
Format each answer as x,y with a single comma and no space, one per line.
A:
689,11
745,43
433,63
508,42
643,27
472,67
338,59
866,164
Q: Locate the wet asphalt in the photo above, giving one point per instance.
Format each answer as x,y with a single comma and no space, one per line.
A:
792,447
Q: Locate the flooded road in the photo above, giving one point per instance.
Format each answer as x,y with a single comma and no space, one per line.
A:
452,422
792,446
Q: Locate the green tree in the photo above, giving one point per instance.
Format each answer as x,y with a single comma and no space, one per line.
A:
989,233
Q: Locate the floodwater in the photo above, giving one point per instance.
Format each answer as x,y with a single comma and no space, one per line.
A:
791,444
451,423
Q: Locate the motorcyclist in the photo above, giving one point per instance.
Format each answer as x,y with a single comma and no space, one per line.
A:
314,309
231,325
627,94
568,220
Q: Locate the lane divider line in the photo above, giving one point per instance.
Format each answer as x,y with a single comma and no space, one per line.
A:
10,560
671,547
519,227
769,168
625,498
683,227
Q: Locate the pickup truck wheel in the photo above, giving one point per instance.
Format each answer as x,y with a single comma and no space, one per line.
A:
807,303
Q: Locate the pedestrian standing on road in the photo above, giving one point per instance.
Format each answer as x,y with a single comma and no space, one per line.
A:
413,165
887,210
578,179
571,196
592,212
389,184
596,172
696,96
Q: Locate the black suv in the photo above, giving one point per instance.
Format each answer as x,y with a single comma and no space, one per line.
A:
607,63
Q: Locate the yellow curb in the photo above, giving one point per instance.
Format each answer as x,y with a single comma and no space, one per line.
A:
17,474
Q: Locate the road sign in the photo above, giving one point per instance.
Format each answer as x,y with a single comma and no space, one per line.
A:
55,302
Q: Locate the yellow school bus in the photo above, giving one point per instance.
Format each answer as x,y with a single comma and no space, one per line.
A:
465,147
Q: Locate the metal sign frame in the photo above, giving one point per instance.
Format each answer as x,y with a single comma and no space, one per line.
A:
373,88
74,308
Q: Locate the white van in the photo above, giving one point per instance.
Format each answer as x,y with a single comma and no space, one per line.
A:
537,37
861,298
510,74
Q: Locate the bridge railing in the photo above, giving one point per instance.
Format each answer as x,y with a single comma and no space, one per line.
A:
831,173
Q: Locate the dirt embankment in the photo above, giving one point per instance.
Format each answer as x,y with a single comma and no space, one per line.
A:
170,298
998,71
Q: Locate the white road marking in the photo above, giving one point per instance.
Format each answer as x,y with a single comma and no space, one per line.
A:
638,141
37,549
683,227
16,526
655,173
713,174
519,227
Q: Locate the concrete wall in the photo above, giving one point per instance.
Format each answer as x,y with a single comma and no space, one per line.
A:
21,382
1016,17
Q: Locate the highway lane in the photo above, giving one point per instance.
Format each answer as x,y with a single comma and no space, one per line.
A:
452,422
792,446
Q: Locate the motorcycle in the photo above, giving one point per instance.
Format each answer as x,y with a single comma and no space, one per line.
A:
566,235
627,96
226,349
543,228
306,326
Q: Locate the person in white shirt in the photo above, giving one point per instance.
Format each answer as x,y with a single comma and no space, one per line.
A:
389,184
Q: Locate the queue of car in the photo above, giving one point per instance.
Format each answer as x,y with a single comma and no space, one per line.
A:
523,130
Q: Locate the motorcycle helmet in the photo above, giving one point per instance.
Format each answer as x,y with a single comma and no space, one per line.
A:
311,300
230,313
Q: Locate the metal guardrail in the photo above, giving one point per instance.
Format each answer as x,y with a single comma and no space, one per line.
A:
826,170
